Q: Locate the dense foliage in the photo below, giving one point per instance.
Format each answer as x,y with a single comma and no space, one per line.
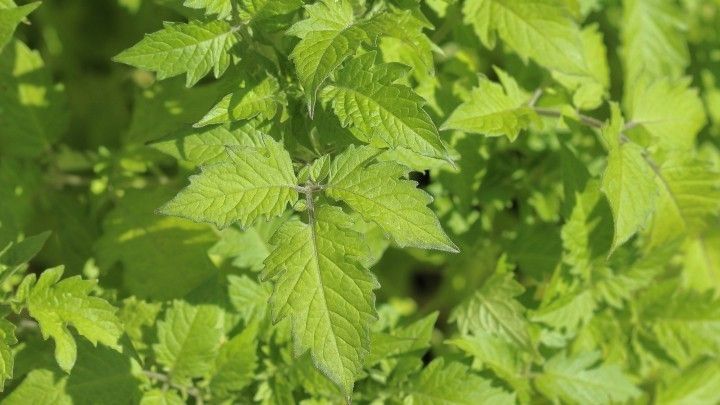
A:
368,201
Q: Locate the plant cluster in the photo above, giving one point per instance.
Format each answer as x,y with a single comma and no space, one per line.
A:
368,201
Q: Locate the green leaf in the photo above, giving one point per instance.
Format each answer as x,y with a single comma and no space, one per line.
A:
542,30
386,114
380,194
221,8
188,340
329,35
413,338
56,304
653,44
453,383
689,195
575,380
628,183
493,109
698,385
257,11
261,99
248,297
7,357
210,145
253,182
161,397
671,112
321,286
235,364
685,323
493,309
194,48
10,18
498,355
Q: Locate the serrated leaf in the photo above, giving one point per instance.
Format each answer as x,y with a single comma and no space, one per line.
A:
698,385
628,183
685,323
161,397
320,285
10,18
380,194
194,48
493,111
493,309
452,383
653,43
500,356
220,8
253,182
671,112
248,297
329,35
56,304
255,11
209,145
540,30
385,113
689,195
7,357
261,99
575,380
413,338
188,340
235,363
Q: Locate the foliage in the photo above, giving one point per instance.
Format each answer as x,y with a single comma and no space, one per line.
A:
369,201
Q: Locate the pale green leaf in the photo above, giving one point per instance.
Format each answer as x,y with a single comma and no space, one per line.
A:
685,323
7,357
542,30
493,111
219,8
628,183
576,380
493,309
235,364
454,384
253,182
329,35
500,356
248,297
161,397
698,385
188,340
209,145
689,195
261,99
654,46
380,193
320,285
385,113
194,48
57,304
671,112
